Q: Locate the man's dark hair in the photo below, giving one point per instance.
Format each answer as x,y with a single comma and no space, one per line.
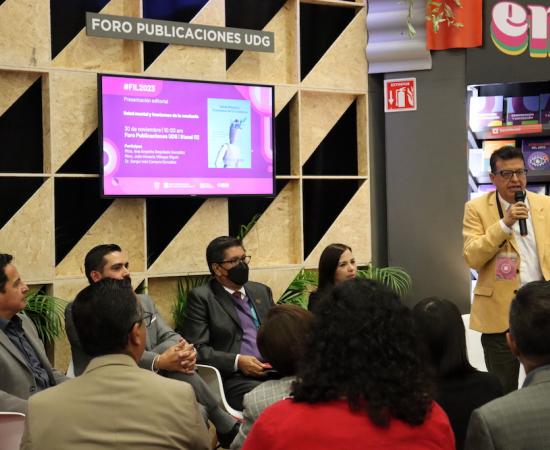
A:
530,319
95,258
103,315
216,249
443,337
363,348
283,335
5,259
504,153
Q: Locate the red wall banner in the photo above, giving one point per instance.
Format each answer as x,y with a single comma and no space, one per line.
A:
449,36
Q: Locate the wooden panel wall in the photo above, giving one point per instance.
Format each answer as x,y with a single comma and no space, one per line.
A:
315,103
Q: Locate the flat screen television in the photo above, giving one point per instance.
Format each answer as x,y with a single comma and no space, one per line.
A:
165,137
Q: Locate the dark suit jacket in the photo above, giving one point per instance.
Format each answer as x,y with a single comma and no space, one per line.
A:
212,323
460,395
160,337
16,379
517,421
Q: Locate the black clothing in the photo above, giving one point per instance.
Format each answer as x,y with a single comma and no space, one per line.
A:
459,396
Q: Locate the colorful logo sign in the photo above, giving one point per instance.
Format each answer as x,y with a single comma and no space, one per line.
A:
538,160
515,27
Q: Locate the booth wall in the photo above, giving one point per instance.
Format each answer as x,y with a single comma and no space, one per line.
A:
427,182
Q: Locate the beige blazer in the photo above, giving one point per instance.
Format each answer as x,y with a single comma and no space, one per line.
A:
115,404
483,240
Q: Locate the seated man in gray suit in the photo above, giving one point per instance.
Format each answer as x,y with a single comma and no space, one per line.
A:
223,318
166,352
520,420
24,367
114,404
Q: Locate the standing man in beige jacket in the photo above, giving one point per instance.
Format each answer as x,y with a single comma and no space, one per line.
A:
503,256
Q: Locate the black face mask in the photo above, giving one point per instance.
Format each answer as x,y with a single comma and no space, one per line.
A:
238,274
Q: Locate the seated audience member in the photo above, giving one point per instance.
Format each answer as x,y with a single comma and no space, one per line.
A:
223,318
165,351
114,403
336,264
460,387
361,384
281,339
519,420
24,366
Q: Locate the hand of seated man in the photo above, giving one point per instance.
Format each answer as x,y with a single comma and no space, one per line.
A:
178,358
188,356
251,366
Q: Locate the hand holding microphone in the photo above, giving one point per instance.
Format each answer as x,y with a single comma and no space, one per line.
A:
518,212
519,196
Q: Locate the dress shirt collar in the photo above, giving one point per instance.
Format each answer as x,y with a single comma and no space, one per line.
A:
506,205
536,374
241,290
119,359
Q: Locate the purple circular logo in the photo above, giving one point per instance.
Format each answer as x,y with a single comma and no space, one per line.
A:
537,160
110,157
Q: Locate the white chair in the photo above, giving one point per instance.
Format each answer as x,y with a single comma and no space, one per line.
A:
70,369
475,350
12,425
213,379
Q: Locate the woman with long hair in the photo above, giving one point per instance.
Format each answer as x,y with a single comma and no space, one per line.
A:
281,340
460,387
336,264
361,384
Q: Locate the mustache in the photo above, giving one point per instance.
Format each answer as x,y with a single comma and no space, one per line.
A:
127,281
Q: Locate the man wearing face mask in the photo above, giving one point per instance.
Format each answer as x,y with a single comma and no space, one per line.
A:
223,318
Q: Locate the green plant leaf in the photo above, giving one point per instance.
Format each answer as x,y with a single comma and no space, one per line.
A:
298,291
442,12
46,312
395,278
179,306
306,281
245,229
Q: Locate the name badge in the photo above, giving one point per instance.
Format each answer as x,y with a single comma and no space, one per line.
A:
506,266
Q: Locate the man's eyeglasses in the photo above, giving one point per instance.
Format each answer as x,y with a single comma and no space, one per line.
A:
245,259
508,174
147,318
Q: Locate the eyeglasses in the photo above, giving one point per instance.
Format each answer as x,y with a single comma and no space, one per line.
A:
244,259
508,174
148,318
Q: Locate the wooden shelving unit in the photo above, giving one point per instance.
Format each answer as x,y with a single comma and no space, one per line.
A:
50,230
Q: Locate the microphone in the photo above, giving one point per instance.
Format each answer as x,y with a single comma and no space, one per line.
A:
519,196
